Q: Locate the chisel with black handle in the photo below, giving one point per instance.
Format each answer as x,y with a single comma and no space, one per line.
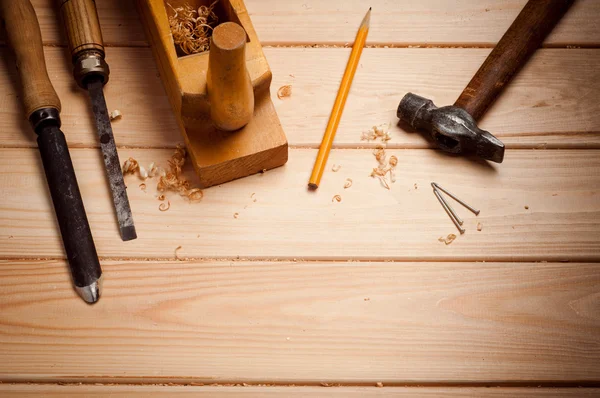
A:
42,108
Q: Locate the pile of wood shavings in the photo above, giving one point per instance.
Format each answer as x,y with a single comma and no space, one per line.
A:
174,181
171,180
385,166
191,28
375,132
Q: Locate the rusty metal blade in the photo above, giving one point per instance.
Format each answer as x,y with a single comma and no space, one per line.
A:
111,160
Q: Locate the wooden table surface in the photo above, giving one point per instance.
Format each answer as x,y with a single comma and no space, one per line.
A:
298,292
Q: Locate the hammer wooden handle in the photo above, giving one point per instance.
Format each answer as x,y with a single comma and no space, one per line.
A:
520,41
25,38
82,26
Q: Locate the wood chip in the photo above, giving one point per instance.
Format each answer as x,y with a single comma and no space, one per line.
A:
236,215
174,181
176,249
335,168
336,198
379,384
115,115
385,167
165,207
161,197
348,183
284,91
526,207
252,197
143,187
130,166
448,239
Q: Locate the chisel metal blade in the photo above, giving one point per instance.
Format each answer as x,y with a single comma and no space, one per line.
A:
111,160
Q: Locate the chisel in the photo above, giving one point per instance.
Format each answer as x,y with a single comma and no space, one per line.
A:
42,107
91,71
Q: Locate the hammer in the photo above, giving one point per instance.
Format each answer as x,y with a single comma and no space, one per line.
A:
454,128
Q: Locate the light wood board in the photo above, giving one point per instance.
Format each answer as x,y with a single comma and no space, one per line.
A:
91,391
289,22
559,187
221,322
553,103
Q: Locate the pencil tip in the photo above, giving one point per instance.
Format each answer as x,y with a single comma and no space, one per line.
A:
367,19
312,186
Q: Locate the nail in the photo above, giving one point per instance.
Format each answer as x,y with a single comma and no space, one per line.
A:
475,211
445,206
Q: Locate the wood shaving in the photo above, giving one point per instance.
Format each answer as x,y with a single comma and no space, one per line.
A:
379,384
174,181
348,183
336,168
336,198
152,170
236,215
176,249
526,207
143,173
252,197
385,167
165,207
448,239
130,166
284,91
416,186
161,197
377,132
143,187
115,115
479,226
191,28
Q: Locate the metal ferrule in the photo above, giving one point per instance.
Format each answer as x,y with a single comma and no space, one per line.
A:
44,117
90,64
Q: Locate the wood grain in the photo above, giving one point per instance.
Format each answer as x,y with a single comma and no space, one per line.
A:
59,391
552,103
321,322
429,22
82,27
560,189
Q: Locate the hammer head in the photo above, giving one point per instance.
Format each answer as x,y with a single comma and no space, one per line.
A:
451,127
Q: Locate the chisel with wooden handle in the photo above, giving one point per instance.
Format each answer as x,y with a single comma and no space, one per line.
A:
42,108
91,71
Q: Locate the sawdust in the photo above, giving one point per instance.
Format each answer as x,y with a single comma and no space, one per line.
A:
448,239
191,28
284,91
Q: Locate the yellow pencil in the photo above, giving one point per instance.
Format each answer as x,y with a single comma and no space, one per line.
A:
340,101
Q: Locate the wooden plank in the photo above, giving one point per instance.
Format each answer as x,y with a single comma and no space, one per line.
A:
553,103
537,205
224,322
59,391
430,22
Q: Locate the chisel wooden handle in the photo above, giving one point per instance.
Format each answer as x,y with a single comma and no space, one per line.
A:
25,38
82,26
525,35
84,36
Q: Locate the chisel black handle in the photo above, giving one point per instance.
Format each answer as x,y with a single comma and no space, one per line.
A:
523,37
42,108
80,19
